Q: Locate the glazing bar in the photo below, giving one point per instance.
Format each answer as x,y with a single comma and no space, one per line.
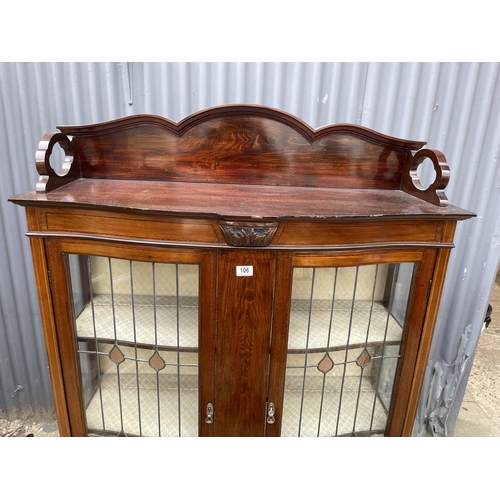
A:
112,298
158,398
327,349
91,288
331,310
357,400
116,341
156,349
82,351
98,353
347,349
154,305
371,305
120,398
307,346
389,307
135,346
366,341
178,351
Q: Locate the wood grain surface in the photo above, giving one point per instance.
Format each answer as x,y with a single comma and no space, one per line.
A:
244,313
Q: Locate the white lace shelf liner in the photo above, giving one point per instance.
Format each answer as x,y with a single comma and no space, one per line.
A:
137,323
361,412
367,421
367,324
365,319
140,409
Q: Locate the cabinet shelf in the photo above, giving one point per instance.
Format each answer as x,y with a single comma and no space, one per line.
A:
139,345
135,324
368,327
354,325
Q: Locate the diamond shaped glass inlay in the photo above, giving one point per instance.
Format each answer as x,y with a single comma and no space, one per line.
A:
364,358
156,362
116,355
326,364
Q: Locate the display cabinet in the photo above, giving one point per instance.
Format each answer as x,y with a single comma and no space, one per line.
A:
237,274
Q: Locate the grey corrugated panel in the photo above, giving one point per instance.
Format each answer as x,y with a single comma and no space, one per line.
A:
453,106
473,156
23,359
34,98
319,93
483,238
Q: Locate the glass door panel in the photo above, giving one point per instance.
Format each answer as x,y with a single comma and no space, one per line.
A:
345,333
137,332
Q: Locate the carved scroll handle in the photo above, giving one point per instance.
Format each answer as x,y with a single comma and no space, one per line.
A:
49,178
435,192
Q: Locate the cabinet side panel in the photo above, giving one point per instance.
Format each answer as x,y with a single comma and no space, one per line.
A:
427,333
244,315
48,323
434,298
410,370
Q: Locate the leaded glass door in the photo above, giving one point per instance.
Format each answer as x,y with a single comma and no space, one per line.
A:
139,320
339,338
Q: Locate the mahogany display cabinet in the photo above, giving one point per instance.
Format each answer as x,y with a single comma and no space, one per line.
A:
237,274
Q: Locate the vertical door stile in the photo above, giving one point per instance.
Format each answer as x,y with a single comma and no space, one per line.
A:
279,342
207,342
66,338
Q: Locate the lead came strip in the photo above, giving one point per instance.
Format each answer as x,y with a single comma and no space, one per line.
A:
89,272
156,349
389,307
364,358
327,355
135,346
178,350
347,350
307,346
122,432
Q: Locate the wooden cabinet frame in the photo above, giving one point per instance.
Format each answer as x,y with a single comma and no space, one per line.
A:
238,186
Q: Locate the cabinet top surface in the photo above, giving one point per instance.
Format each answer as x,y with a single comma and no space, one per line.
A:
240,161
238,201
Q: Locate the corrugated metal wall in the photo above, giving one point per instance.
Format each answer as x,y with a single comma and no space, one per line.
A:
453,106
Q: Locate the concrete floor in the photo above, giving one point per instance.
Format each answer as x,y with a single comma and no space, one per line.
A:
480,412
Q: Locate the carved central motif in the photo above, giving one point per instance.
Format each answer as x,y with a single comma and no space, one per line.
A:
248,235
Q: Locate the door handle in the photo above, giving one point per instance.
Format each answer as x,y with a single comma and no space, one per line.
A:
270,413
209,415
